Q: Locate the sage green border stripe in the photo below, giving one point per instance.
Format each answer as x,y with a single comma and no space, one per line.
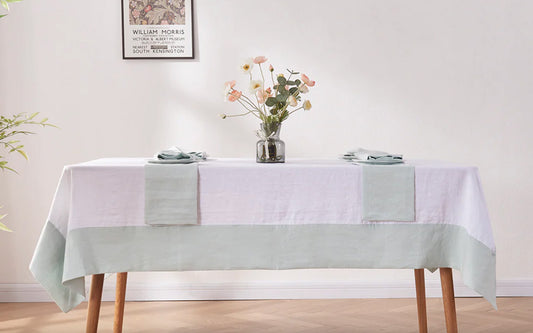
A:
190,248
47,267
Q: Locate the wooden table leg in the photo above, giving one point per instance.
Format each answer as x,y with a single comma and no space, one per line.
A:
95,299
120,299
448,297
421,300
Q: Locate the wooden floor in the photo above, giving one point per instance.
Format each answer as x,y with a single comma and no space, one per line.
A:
515,315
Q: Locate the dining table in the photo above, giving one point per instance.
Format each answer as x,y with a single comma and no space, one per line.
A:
301,214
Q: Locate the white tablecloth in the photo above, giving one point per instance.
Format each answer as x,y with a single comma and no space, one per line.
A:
300,206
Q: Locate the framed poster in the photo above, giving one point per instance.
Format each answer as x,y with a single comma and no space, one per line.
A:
157,29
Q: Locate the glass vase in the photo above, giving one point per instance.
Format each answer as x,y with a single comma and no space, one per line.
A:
270,149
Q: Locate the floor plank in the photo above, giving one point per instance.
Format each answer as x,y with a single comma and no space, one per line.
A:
515,315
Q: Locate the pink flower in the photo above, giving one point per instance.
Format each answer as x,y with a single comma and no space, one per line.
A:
271,68
229,84
228,87
234,95
263,95
260,60
136,13
307,81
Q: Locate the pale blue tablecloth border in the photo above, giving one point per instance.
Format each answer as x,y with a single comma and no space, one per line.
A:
60,264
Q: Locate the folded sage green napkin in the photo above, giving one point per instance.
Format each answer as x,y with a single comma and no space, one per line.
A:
367,155
388,193
175,153
171,194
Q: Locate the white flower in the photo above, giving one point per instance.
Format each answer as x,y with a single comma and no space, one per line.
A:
255,85
303,88
247,66
292,100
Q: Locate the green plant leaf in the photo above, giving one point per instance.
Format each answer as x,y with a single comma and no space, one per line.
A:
282,81
3,15
4,4
271,101
4,167
8,129
293,72
4,227
21,152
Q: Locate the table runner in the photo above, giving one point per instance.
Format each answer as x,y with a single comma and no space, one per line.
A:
301,214
171,194
388,193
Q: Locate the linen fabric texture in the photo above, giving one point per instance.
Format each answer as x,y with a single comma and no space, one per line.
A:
171,194
303,214
388,193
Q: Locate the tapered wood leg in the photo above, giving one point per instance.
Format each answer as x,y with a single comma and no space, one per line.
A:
95,299
421,300
448,297
120,300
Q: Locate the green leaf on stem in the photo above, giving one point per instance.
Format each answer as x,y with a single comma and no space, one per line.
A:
281,97
293,72
21,152
4,227
271,101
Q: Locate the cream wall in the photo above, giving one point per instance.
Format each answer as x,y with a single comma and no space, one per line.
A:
449,80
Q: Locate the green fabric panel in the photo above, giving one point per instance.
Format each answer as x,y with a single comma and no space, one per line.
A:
171,193
186,248
47,268
388,193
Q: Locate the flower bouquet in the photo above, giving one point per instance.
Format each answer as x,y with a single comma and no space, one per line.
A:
271,104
